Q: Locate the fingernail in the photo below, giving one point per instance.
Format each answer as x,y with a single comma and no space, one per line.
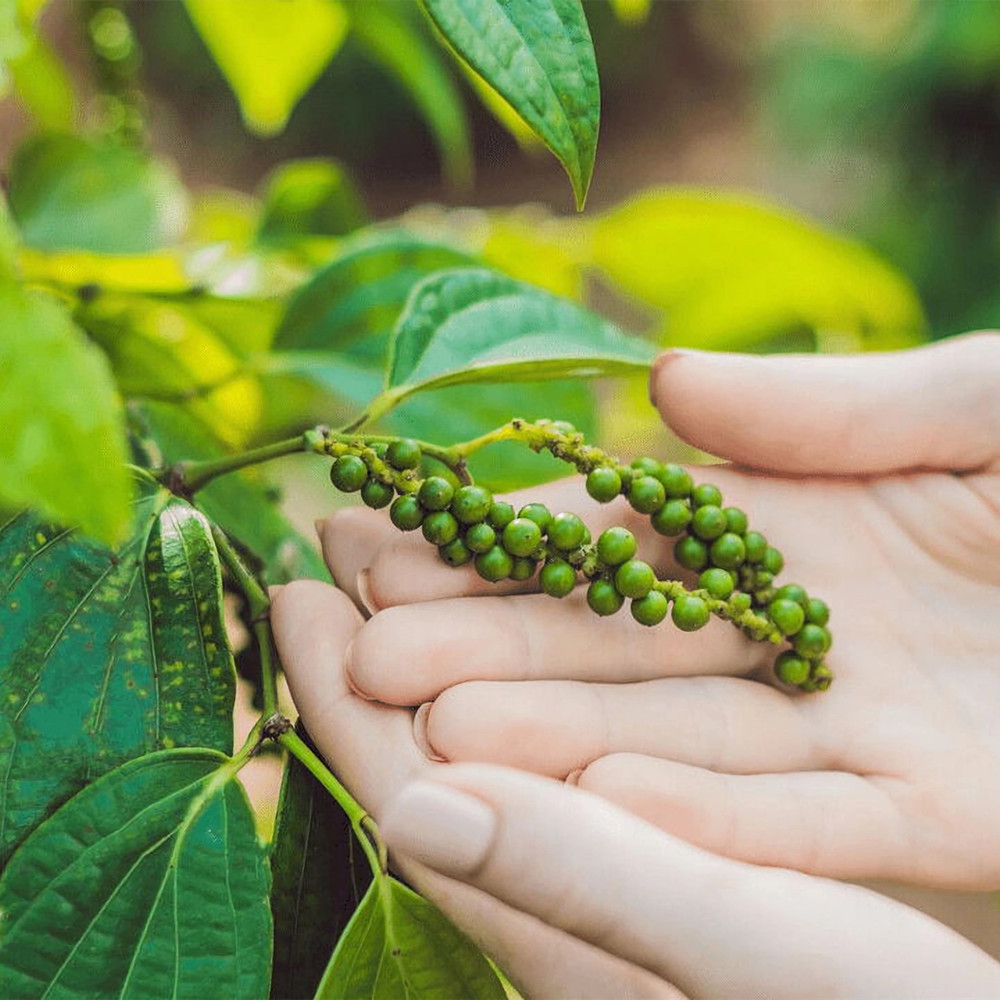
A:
349,673
440,827
362,584
573,778
420,733
665,359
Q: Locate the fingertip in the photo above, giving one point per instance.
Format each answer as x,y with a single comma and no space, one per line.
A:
661,371
421,733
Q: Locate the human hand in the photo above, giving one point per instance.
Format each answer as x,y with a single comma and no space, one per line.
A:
536,873
879,478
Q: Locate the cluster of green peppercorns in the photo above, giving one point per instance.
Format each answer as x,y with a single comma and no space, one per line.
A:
736,567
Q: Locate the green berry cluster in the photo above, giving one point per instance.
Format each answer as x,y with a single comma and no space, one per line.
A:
736,567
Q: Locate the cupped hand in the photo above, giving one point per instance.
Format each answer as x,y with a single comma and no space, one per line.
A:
878,476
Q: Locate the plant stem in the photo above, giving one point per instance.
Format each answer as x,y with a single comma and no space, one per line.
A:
192,476
254,739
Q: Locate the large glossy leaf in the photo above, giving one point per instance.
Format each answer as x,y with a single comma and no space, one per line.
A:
149,883
106,655
537,54
62,448
316,884
398,946
68,193
730,271
271,52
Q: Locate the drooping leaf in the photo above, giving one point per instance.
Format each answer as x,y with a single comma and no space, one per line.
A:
538,55
68,193
270,53
106,655
62,448
729,271
398,946
148,883
316,884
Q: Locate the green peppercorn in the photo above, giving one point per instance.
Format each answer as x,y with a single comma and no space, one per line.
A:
646,494
651,609
494,565
538,513
791,669
403,454
691,553
708,522
521,537
634,578
615,546
471,504
812,641
406,513
566,531
706,495
774,561
740,603
817,613
380,448
787,615
821,677
677,481
455,553
376,494
728,550
604,484
718,583
480,537
500,515
756,546
689,613
736,520
793,592
523,569
557,578
762,579
672,518
348,473
603,598
435,493
440,527
646,466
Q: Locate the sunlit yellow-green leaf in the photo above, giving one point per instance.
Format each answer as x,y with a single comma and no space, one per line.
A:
270,51
153,273
43,86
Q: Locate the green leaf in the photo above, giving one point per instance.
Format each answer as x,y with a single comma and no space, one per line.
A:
387,33
537,54
316,885
43,86
270,59
149,883
472,325
68,193
106,655
399,946
63,444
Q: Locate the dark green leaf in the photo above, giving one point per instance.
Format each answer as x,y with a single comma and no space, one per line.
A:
62,448
106,655
68,193
399,946
149,883
538,55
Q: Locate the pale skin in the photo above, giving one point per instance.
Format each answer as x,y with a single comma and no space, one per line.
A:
879,478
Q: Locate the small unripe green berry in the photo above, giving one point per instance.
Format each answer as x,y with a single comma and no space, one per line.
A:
471,504
691,553
494,565
672,518
603,598
480,537
718,583
677,481
348,473
812,641
793,592
817,613
566,531
380,448
406,513
604,483
440,527
762,578
403,454
689,613
521,537
634,578
822,677
736,520
787,615
740,603
615,546
706,495
455,553
791,669
646,494
774,561
500,515
376,494
646,466
538,513
523,569
435,493
728,550
708,522
651,609
756,545
557,578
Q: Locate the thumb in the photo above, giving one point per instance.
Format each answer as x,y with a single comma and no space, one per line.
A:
934,407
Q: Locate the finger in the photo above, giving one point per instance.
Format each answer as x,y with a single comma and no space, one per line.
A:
839,414
712,926
558,727
822,822
350,540
408,654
